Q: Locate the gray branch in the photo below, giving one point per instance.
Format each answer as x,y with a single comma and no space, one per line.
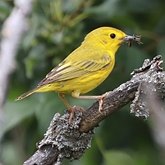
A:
12,32
69,141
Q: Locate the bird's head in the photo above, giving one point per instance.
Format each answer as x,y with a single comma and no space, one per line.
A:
111,38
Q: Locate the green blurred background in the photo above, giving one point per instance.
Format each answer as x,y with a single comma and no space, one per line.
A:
57,27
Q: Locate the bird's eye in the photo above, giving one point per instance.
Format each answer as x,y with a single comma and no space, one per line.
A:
112,35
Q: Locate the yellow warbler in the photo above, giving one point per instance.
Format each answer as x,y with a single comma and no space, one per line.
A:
86,67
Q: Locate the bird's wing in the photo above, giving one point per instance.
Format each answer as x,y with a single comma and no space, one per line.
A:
72,68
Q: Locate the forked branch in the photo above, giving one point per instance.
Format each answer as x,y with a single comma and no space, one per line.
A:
64,140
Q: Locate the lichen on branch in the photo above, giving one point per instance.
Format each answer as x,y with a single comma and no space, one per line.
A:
63,140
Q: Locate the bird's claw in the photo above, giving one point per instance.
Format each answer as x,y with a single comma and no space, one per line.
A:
101,98
72,111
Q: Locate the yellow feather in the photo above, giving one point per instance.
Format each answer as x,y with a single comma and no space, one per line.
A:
86,67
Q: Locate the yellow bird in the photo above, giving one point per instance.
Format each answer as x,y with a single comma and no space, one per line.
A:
86,67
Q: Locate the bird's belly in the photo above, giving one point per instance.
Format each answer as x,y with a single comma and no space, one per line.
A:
85,83
81,84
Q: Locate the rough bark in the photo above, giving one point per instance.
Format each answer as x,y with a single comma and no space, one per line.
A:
64,140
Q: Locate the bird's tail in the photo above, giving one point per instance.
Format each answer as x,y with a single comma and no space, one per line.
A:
24,95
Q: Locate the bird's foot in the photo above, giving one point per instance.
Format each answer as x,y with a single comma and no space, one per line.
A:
72,111
100,100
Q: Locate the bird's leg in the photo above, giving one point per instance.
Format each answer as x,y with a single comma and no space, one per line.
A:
99,98
68,106
65,101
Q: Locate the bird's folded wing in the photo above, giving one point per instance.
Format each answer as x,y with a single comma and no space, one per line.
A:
71,68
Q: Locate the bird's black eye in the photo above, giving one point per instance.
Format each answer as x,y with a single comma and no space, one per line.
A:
112,35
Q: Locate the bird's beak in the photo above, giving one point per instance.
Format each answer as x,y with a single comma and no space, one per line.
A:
129,39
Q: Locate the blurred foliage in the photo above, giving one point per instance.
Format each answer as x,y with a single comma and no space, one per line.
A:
57,27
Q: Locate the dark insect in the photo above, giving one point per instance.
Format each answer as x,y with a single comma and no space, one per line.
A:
136,38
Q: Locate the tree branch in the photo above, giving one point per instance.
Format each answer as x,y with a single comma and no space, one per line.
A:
12,32
64,140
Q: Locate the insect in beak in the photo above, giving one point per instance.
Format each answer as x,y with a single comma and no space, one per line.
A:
129,39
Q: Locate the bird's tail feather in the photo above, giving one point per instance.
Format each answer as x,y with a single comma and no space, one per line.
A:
24,95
